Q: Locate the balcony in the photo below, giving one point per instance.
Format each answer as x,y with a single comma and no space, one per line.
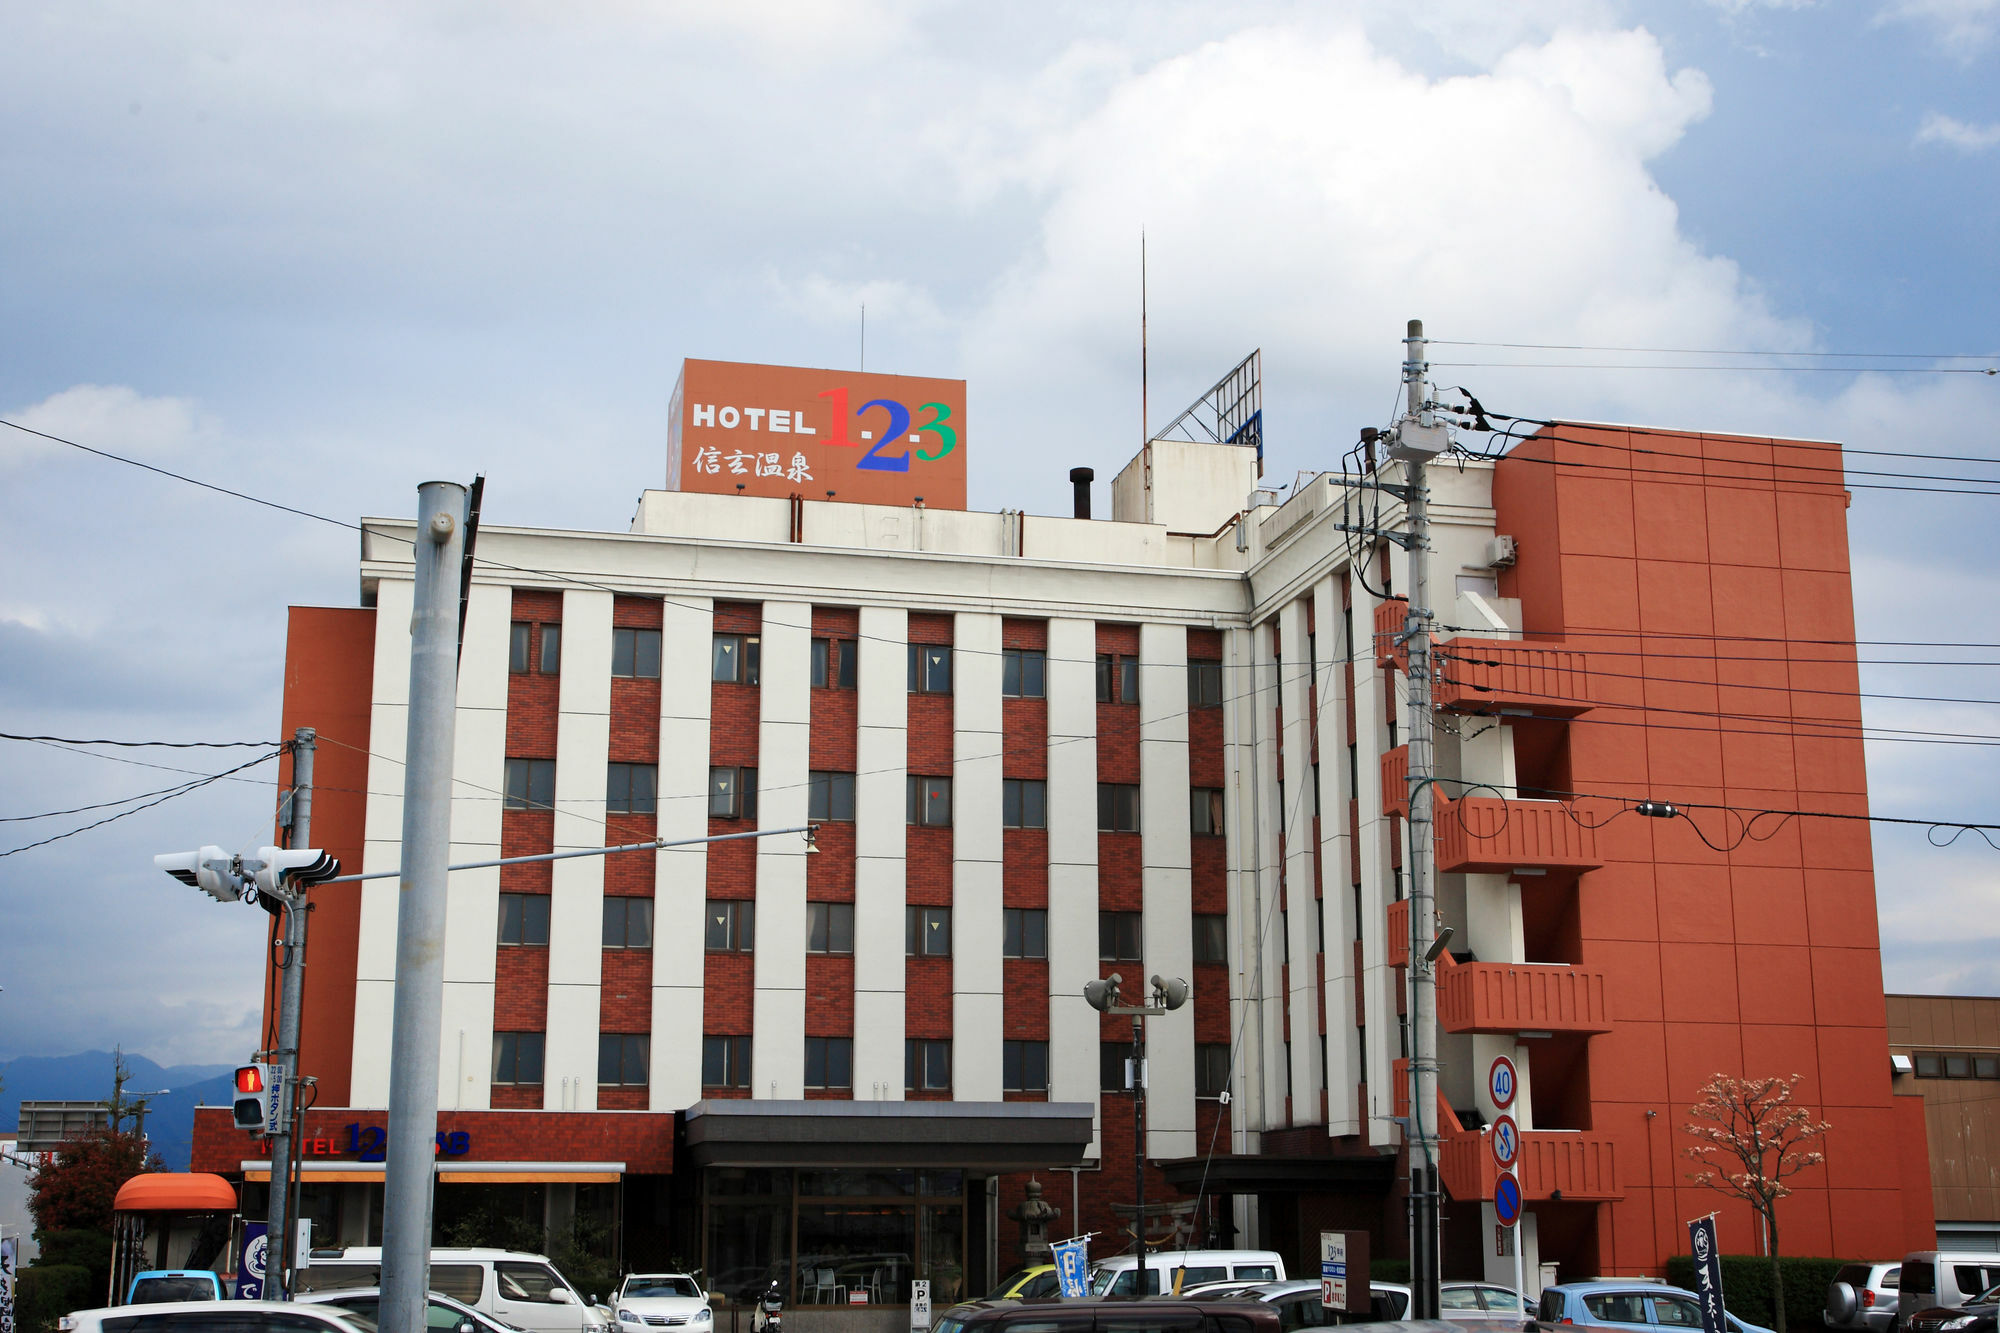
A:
1398,938
1584,1167
1447,1127
1396,782
1487,674
1488,835
1390,619
1521,997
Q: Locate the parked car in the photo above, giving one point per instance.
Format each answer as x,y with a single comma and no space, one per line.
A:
1931,1278
443,1315
1297,1304
1097,1314
661,1300
213,1317
1624,1305
1978,1315
1863,1297
524,1290
159,1285
1034,1282
1119,1276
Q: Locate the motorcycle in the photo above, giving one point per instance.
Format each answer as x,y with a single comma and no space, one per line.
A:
766,1317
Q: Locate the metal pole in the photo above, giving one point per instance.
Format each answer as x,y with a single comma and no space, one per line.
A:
291,981
1139,1143
419,1003
1520,1283
1425,1270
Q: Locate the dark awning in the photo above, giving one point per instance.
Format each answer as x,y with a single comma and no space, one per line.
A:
1264,1174
998,1135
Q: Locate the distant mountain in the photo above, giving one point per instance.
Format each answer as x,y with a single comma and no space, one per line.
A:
86,1077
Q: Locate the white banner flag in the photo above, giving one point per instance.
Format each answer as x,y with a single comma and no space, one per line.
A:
8,1246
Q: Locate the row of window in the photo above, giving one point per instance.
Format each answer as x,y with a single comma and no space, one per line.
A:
633,789
730,927
624,1060
736,659
1937,1064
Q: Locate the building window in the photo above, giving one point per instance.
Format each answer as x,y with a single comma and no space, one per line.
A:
517,1057
1024,1066
731,924
1024,932
929,801
622,1058
1117,679
628,923
1120,937
1112,1058
524,918
518,638
829,1062
926,1065
830,928
1929,1066
531,784
1024,803
1117,807
1024,673
1211,1068
1204,684
1211,937
725,1062
1938,1064
1205,811
551,662
830,796
629,789
736,658
732,793
835,663
927,932
635,653
930,668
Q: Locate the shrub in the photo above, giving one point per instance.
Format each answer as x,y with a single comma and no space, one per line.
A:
1746,1286
46,1292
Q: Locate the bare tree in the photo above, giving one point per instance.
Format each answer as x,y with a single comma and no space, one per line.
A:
1752,1137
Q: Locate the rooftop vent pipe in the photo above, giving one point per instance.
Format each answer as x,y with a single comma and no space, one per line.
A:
1081,477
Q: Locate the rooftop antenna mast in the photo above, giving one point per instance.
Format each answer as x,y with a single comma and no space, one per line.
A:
1145,425
864,336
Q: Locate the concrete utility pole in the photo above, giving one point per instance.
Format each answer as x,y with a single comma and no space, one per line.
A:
419,1003
291,984
1418,438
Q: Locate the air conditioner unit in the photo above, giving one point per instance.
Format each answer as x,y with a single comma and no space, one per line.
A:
1500,552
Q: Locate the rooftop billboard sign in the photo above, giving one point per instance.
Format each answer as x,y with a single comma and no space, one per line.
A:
824,434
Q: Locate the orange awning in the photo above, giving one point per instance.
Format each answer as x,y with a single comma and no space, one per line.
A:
175,1192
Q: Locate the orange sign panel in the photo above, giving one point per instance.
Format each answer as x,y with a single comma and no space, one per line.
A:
824,434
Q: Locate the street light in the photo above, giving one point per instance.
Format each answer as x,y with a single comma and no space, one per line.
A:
1105,997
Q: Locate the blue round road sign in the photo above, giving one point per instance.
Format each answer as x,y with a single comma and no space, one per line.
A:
1507,1200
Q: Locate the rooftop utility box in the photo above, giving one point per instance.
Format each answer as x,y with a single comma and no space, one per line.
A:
1187,486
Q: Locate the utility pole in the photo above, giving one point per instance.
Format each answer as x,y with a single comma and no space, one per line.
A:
278,1215
413,1069
1418,438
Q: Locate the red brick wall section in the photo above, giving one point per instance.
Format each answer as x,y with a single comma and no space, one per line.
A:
329,686
644,1141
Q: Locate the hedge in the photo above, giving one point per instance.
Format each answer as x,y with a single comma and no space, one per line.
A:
1746,1286
1388,1270
46,1292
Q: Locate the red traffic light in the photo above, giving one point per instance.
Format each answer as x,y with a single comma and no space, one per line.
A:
250,1078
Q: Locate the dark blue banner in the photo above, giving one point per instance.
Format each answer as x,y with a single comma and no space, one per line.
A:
250,1269
1707,1274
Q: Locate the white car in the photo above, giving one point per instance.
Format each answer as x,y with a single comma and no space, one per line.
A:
442,1315
662,1300
214,1317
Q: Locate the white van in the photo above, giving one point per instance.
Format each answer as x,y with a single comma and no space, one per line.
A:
1933,1278
524,1290
1120,1276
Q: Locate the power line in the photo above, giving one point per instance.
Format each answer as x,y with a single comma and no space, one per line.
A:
181,790
138,745
1714,351
82,809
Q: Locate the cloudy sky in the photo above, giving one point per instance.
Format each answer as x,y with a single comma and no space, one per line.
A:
324,252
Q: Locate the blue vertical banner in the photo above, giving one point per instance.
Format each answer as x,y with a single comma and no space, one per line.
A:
250,1268
9,1247
1073,1266
1707,1273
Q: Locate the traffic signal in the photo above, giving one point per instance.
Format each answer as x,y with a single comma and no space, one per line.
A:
300,865
209,869
255,1104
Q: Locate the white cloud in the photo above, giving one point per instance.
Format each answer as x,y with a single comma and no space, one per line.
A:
1940,128
1962,27
111,417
